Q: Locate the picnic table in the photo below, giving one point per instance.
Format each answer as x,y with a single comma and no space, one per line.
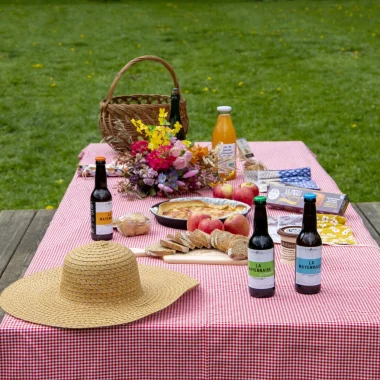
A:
216,331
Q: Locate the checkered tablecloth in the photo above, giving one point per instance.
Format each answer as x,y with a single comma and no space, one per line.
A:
216,331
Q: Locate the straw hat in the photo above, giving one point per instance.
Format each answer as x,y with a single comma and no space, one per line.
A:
100,284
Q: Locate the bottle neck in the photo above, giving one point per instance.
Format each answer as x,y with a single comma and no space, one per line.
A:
309,222
260,221
100,176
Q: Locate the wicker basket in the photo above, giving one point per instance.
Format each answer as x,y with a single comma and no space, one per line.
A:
116,112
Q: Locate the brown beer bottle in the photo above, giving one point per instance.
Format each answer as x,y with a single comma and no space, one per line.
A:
261,254
101,204
308,250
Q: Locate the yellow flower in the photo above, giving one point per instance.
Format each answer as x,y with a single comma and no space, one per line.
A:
37,66
82,36
208,78
186,91
35,43
187,142
59,182
49,208
53,85
262,92
205,89
89,76
138,46
322,37
177,127
59,43
72,49
240,83
373,34
354,125
87,63
162,114
279,89
213,90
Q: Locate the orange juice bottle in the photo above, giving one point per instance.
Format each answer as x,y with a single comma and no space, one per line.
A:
224,132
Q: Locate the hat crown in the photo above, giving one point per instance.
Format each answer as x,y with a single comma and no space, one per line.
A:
100,272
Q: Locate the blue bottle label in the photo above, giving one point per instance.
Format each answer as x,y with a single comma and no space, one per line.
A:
308,265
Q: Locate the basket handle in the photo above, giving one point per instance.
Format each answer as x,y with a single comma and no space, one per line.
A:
133,62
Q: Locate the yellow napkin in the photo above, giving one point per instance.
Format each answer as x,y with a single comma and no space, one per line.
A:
333,230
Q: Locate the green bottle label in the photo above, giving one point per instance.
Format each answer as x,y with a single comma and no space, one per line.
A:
261,268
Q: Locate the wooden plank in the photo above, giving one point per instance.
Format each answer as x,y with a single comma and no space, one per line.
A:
26,249
372,212
13,225
367,223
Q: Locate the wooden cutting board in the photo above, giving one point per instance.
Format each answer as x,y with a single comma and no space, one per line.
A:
203,256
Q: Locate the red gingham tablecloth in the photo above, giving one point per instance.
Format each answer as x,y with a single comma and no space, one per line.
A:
216,331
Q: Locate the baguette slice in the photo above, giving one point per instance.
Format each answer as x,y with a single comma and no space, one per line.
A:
204,238
186,240
172,245
194,239
158,250
178,238
238,249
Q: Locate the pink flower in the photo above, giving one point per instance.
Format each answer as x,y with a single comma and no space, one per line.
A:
190,173
165,188
181,183
180,163
175,152
188,155
180,145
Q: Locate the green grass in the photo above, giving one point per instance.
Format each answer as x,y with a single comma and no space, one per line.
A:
310,71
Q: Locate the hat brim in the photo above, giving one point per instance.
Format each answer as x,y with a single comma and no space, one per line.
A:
37,299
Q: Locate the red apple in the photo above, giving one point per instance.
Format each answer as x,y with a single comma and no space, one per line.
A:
194,219
243,194
252,186
209,225
237,224
223,191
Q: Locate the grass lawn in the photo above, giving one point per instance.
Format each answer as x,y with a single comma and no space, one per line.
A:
291,70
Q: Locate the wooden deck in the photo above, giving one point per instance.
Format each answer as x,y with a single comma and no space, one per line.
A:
21,232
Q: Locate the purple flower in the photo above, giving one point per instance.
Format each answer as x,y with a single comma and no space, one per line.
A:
149,181
162,178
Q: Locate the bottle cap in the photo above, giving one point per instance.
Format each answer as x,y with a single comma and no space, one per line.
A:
260,200
100,159
309,197
175,91
224,109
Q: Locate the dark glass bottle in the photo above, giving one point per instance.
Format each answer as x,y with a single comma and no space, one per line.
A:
101,204
175,113
261,254
308,250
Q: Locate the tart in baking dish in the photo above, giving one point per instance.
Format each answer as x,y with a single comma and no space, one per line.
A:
182,209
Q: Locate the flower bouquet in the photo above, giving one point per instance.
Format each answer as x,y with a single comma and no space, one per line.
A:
160,164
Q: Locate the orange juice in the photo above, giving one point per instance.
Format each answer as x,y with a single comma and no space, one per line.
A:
224,132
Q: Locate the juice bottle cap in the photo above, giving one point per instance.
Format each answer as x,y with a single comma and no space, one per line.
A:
100,158
309,197
224,109
260,200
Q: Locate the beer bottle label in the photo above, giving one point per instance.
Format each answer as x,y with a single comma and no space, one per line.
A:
308,265
102,215
226,159
261,268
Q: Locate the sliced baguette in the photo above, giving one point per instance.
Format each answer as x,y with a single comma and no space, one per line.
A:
194,239
158,250
187,240
238,249
204,238
172,245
